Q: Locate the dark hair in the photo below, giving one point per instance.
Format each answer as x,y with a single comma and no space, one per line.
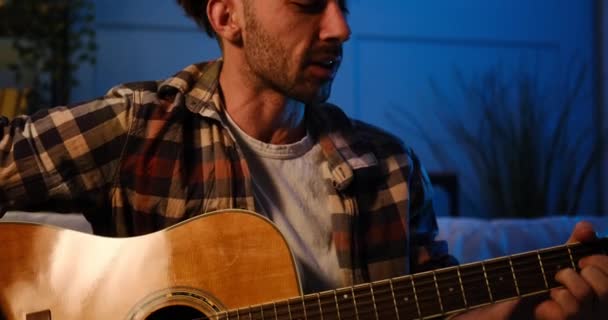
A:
197,10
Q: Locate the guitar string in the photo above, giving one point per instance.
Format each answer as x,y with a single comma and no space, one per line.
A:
423,297
298,309
344,310
344,315
434,296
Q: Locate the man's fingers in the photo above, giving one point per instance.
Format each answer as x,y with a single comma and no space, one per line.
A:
583,232
549,310
598,261
575,283
569,304
598,281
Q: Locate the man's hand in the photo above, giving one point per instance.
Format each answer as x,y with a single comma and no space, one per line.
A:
585,294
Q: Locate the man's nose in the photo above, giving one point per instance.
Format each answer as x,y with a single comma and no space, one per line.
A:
333,24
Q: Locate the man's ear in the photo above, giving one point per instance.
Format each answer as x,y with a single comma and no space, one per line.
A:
224,20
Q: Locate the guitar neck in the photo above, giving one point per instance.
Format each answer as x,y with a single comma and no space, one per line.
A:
435,293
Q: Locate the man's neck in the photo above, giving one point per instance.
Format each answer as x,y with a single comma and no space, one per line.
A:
261,112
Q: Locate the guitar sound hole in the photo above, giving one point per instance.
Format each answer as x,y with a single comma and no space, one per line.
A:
177,313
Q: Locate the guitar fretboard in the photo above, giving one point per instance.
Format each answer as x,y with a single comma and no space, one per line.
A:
434,293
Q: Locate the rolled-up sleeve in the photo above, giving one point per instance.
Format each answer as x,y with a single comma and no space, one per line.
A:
63,155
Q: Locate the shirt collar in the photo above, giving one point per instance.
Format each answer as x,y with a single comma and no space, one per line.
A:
199,84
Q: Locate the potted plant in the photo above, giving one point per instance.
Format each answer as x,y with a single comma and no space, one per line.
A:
52,39
526,158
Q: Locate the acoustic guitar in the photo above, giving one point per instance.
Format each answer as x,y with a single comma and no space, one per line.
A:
235,265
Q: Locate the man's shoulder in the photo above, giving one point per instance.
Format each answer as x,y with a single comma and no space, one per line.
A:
182,80
361,131
146,86
134,90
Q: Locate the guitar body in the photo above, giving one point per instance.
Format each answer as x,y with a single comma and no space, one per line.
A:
235,264
214,262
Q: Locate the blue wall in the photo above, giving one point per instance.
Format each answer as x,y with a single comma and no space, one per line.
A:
396,48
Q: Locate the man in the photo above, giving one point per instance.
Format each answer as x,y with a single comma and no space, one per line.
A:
251,131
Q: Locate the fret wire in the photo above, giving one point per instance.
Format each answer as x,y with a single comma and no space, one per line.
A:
485,275
295,304
405,300
329,303
542,268
501,279
529,276
337,306
371,289
581,251
320,308
382,300
249,311
304,308
475,283
368,309
549,258
390,281
309,304
448,282
415,296
352,290
289,310
438,294
552,267
262,311
514,276
464,298
461,283
571,259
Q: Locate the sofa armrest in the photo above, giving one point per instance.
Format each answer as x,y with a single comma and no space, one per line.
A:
472,239
73,221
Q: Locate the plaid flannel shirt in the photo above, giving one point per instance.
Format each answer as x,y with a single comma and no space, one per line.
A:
151,154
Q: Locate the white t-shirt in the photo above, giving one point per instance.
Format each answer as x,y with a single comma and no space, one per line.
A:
289,190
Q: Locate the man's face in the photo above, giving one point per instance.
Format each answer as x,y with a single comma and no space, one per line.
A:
295,46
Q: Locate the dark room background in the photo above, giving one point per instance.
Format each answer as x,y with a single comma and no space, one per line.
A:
505,97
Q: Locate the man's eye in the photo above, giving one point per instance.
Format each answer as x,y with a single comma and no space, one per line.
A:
318,6
311,6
